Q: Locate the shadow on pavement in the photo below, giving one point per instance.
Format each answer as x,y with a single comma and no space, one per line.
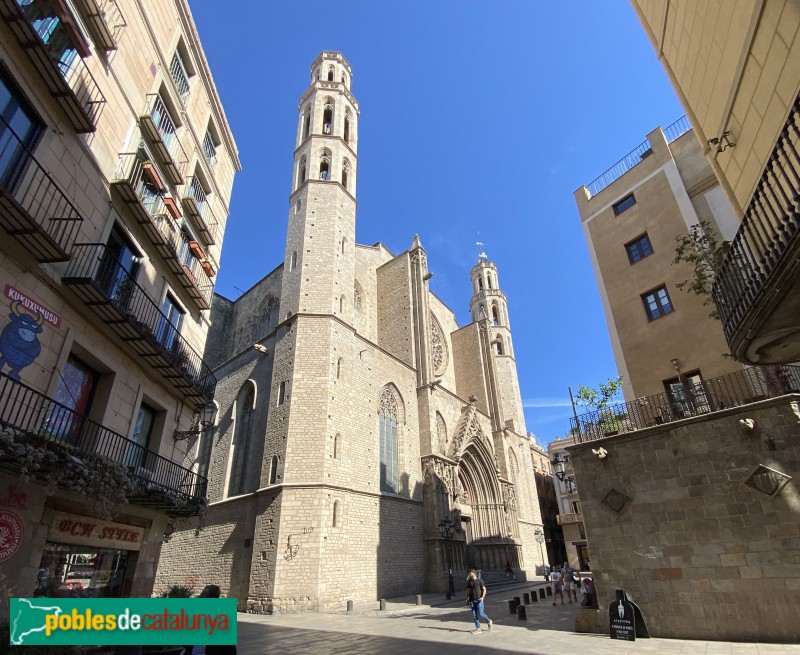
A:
264,638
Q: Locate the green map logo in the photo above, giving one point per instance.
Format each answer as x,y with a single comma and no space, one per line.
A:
128,621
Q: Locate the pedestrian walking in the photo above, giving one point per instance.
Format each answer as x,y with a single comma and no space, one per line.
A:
476,592
568,582
555,584
509,570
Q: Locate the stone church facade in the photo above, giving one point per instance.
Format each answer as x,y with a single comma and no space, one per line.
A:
355,414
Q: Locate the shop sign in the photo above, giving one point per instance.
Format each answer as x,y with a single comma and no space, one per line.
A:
30,305
86,531
11,533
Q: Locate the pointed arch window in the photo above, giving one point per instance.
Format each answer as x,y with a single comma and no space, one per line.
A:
489,281
480,284
293,261
325,165
327,117
301,171
495,315
337,446
330,74
273,470
499,344
347,118
389,414
339,368
335,514
242,439
306,123
345,172
341,304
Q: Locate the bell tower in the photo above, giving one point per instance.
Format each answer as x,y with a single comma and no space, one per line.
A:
489,304
318,273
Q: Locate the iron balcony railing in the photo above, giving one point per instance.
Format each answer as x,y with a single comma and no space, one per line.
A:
179,76
47,423
55,46
769,229
209,150
33,208
686,400
198,206
107,287
105,20
159,128
137,180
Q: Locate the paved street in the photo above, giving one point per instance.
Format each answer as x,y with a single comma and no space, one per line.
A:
440,629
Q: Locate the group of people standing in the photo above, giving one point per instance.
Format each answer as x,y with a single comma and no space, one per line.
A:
565,578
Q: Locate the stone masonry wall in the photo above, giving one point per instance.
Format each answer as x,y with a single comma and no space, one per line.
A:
703,554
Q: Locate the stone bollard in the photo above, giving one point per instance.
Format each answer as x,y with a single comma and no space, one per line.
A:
541,592
549,591
512,607
382,605
349,605
526,598
419,599
534,596
521,614
517,601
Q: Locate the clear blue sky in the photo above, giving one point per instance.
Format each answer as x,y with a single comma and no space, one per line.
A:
475,117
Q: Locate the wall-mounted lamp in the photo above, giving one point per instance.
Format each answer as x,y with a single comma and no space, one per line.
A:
208,417
559,465
723,142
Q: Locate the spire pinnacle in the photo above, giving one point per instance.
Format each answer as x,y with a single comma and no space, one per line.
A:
416,243
482,256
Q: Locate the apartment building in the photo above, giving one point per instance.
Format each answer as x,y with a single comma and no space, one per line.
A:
570,516
735,68
662,336
116,170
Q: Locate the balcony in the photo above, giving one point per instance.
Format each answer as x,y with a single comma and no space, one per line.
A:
180,78
158,127
139,184
68,446
33,208
114,296
566,519
715,394
757,289
55,46
197,206
105,20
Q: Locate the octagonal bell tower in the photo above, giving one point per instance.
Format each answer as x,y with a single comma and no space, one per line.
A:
319,266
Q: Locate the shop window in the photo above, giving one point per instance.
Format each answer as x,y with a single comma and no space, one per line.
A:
78,571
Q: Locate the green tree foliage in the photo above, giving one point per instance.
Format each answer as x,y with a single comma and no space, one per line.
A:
704,250
601,397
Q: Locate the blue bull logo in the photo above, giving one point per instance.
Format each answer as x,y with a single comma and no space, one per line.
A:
19,341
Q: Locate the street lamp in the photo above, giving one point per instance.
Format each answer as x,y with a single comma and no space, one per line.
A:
539,536
559,465
448,531
208,417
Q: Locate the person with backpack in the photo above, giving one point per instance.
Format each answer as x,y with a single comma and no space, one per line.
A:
476,592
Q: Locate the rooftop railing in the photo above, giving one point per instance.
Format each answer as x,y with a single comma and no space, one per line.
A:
620,168
635,156
770,226
687,400
33,208
44,422
677,129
